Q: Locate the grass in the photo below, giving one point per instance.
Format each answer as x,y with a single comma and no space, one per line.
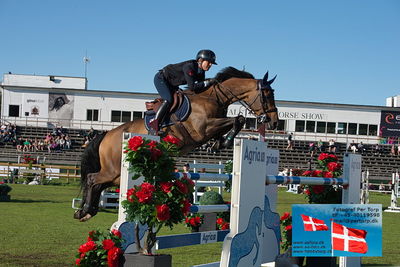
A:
37,229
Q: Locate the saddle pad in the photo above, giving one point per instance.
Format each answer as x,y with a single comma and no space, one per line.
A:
182,112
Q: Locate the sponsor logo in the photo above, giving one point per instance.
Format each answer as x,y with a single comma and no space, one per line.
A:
254,155
208,237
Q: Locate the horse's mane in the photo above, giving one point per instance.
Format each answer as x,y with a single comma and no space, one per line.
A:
231,72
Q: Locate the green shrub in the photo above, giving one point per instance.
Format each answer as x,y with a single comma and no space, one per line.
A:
211,198
5,189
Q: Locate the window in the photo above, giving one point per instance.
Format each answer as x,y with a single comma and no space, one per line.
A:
281,125
300,125
92,115
13,110
362,129
137,115
352,128
310,126
342,128
250,123
321,127
120,116
331,127
373,130
126,116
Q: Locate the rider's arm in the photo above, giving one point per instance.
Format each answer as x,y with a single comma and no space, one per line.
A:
190,74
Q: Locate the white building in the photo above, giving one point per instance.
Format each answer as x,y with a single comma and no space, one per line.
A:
57,100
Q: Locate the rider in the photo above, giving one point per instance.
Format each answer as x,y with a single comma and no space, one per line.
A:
190,72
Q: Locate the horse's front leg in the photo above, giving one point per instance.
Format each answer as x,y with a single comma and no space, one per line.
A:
237,126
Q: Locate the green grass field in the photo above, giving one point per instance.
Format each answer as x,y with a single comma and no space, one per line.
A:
37,229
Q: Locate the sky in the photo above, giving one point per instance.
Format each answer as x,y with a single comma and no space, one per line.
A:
343,51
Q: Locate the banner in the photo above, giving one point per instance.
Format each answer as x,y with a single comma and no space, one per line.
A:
390,124
329,230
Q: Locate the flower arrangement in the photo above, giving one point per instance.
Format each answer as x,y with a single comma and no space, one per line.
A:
286,223
27,159
101,249
194,221
161,199
328,167
4,188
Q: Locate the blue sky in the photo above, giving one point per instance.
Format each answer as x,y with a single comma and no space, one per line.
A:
345,51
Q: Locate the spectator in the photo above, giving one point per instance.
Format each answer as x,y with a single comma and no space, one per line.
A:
186,168
86,142
312,148
361,148
290,142
27,145
377,150
353,147
331,146
68,142
320,144
20,144
392,150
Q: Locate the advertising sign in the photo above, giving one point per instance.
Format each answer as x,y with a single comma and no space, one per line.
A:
390,124
350,230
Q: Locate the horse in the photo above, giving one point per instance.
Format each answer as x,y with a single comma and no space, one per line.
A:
101,160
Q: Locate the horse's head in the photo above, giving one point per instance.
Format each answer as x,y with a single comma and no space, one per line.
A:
256,95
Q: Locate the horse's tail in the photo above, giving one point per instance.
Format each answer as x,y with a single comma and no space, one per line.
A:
90,160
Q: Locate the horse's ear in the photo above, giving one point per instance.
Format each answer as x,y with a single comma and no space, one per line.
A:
272,80
265,79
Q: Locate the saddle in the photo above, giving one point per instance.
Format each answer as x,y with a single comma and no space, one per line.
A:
156,103
179,110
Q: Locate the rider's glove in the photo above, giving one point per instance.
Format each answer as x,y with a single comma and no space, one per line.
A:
210,82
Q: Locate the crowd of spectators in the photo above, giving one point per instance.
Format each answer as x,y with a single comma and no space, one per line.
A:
8,133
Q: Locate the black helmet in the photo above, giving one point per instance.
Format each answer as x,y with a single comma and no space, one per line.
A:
207,55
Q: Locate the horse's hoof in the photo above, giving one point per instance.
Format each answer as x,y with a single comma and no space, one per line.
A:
85,218
78,214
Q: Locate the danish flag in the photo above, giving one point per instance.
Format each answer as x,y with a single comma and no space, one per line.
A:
312,224
348,239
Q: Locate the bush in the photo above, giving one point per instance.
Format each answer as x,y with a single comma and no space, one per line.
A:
211,198
5,189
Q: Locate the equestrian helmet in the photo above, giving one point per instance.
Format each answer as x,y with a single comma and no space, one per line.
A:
208,55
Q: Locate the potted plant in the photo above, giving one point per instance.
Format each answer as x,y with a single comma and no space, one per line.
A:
4,190
328,167
161,200
194,221
101,249
210,219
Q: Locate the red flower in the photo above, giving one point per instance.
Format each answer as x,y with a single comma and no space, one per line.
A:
333,157
155,153
152,144
117,190
78,262
328,174
116,233
307,192
323,156
162,212
108,244
181,187
145,194
288,228
333,166
186,206
316,173
189,183
220,221
172,140
192,222
285,216
307,173
166,186
113,257
88,246
225,226
186,220
130,194
135,142
197,219
318,189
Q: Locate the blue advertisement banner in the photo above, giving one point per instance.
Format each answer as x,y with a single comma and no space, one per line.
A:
326,230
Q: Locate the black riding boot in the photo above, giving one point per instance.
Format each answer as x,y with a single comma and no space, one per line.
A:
158,119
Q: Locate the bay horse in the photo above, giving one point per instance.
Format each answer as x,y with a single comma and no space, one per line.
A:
101,160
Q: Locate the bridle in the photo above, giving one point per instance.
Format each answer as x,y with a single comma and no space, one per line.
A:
262,96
